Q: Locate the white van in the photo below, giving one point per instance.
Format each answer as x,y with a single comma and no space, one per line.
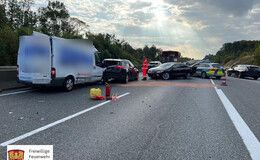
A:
52,61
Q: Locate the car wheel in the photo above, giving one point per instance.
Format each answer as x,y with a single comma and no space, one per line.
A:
102,81
187,76
166,76
137,76
126,79
255,78
218,77
240,75
203,75
68,84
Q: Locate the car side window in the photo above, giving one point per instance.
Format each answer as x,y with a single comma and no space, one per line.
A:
97,60
184,66
126,64
201,65
177,66
130,64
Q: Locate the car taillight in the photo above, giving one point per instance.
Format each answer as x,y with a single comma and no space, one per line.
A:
53,72
212,69
119,67
17,70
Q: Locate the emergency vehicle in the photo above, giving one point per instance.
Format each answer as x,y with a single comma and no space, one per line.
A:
205,70
52,61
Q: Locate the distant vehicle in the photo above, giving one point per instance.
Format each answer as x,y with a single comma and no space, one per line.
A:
170,69
205,70
171,56
153,64
242,71
52,61
119,69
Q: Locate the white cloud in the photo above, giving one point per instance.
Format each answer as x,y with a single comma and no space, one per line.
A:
194,27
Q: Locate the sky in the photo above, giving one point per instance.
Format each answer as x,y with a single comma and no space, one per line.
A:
193,27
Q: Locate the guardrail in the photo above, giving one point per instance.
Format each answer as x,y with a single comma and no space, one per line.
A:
8,78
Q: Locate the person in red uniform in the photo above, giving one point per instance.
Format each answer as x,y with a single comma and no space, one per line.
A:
145,68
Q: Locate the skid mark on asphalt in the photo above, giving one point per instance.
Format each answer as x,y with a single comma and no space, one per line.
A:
251,142
160,83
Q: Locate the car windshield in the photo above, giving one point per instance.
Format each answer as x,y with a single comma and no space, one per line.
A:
111,63
166,65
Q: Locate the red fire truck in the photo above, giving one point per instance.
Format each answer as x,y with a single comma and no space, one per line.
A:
171,56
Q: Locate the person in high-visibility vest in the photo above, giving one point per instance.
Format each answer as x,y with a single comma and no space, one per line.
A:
145,68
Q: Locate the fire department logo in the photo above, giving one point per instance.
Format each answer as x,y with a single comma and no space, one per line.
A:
16,155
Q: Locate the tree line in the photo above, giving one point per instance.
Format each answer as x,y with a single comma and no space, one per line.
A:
18,19
230,51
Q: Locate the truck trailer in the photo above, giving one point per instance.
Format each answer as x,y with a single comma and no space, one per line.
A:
51,61
171,56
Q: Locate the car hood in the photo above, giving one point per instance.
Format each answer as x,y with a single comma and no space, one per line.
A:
158,69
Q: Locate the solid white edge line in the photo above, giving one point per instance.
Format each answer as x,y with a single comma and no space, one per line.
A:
55,123
251,142
19,92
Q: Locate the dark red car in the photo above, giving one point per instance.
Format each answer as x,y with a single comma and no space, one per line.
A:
121,70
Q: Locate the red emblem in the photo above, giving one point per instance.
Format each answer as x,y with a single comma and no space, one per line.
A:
16,155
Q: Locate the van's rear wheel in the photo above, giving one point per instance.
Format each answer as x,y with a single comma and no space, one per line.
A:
68,84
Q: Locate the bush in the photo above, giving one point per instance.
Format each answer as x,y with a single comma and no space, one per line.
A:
257,55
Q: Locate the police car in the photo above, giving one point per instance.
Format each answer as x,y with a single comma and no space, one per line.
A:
205,70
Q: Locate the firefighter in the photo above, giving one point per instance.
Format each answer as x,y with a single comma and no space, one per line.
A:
145,68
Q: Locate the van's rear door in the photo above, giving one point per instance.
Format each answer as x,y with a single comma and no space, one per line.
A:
34,59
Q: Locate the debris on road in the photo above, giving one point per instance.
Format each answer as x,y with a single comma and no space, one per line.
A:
95,92
21,118
99,98
10,112
115,97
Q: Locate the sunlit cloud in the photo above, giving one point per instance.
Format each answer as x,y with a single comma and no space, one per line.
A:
193,27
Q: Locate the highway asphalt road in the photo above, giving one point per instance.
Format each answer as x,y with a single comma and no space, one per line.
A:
156,119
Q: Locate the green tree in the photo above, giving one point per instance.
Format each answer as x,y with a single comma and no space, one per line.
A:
53,17
257,55
14,13
3,18
9,44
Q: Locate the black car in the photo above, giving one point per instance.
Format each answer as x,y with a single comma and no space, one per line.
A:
242,71
168,70
154,64
119,69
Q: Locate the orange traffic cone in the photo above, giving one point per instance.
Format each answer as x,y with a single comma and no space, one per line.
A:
224,80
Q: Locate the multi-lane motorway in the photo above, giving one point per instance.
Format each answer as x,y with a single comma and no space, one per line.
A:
156,119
